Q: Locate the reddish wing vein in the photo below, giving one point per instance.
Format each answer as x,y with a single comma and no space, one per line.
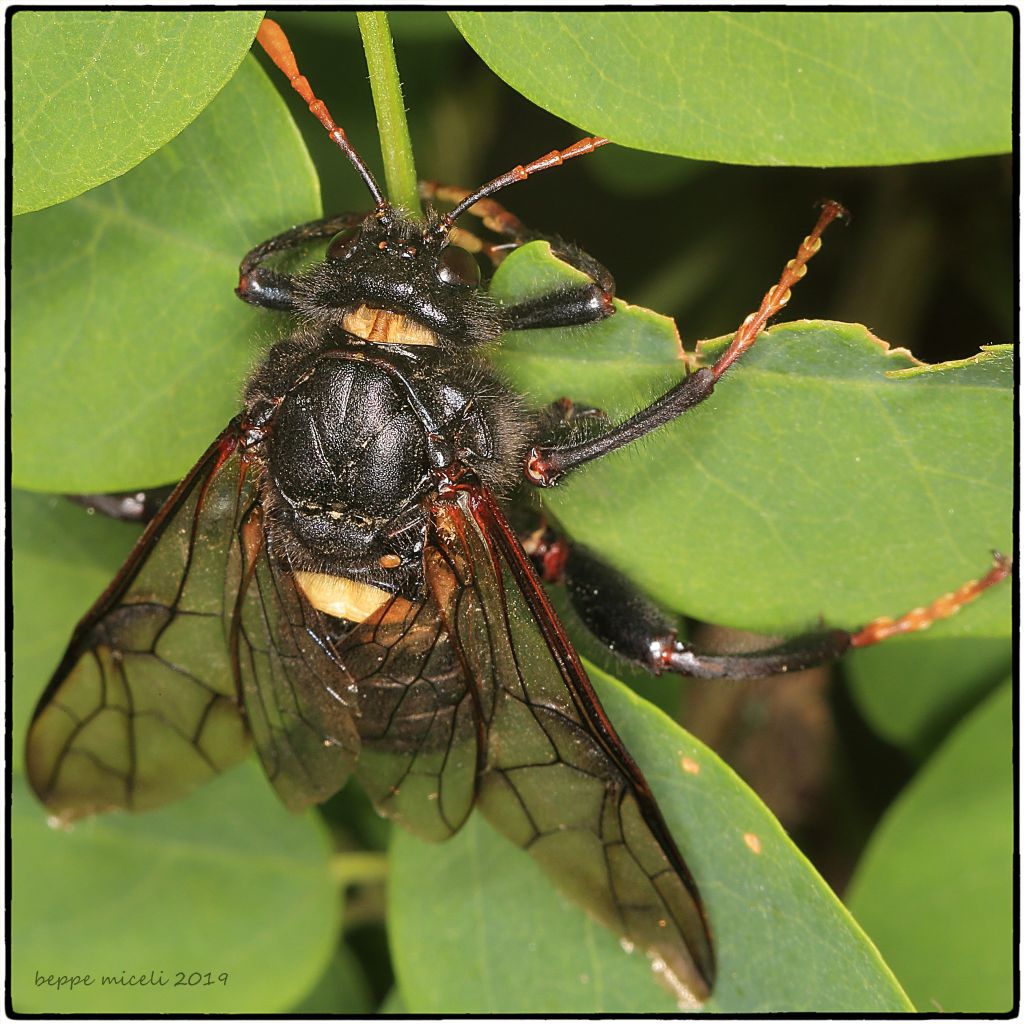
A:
299,699
417,722
201,620
557,779
142,707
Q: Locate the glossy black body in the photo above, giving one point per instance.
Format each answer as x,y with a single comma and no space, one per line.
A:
369,460
395,263
340,565
362,429
360,433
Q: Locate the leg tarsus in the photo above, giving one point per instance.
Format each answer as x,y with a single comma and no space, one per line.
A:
778,295
544,466
942,608
632,626
493,215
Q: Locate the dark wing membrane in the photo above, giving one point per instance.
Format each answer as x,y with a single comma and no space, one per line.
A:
417,722
145,704
557,780
299,700
142,708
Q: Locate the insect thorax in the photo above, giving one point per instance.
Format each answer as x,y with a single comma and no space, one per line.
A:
360,431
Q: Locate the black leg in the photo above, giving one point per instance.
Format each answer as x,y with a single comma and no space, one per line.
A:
261,286
569,306
565,307
546,465
127,506
634,627
564,418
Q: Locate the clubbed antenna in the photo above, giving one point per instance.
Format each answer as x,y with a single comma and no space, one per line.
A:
521,173
272,38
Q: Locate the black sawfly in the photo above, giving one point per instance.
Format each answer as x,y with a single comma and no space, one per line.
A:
335,581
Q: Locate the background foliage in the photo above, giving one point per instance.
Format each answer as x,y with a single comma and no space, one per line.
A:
829,476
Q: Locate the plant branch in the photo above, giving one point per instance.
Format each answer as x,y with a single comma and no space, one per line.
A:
396,146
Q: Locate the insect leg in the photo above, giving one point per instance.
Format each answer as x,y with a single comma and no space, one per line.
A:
127,506
630,624
546,465
627,622
942,608
494,216
565,307
572,304
261,286
564,419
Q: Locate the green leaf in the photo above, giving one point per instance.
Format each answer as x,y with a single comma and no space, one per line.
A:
96,92
393,1004
124,327
807,88
815,482
476,928
912,693
341,991
935,888
224,883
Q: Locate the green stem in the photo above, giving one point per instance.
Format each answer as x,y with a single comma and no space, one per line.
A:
396,147
358,868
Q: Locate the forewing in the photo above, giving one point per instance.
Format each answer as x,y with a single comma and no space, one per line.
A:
417,722
146,703
556,779
299,700
142,707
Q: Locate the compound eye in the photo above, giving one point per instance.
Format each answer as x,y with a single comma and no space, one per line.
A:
343,244
456,266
